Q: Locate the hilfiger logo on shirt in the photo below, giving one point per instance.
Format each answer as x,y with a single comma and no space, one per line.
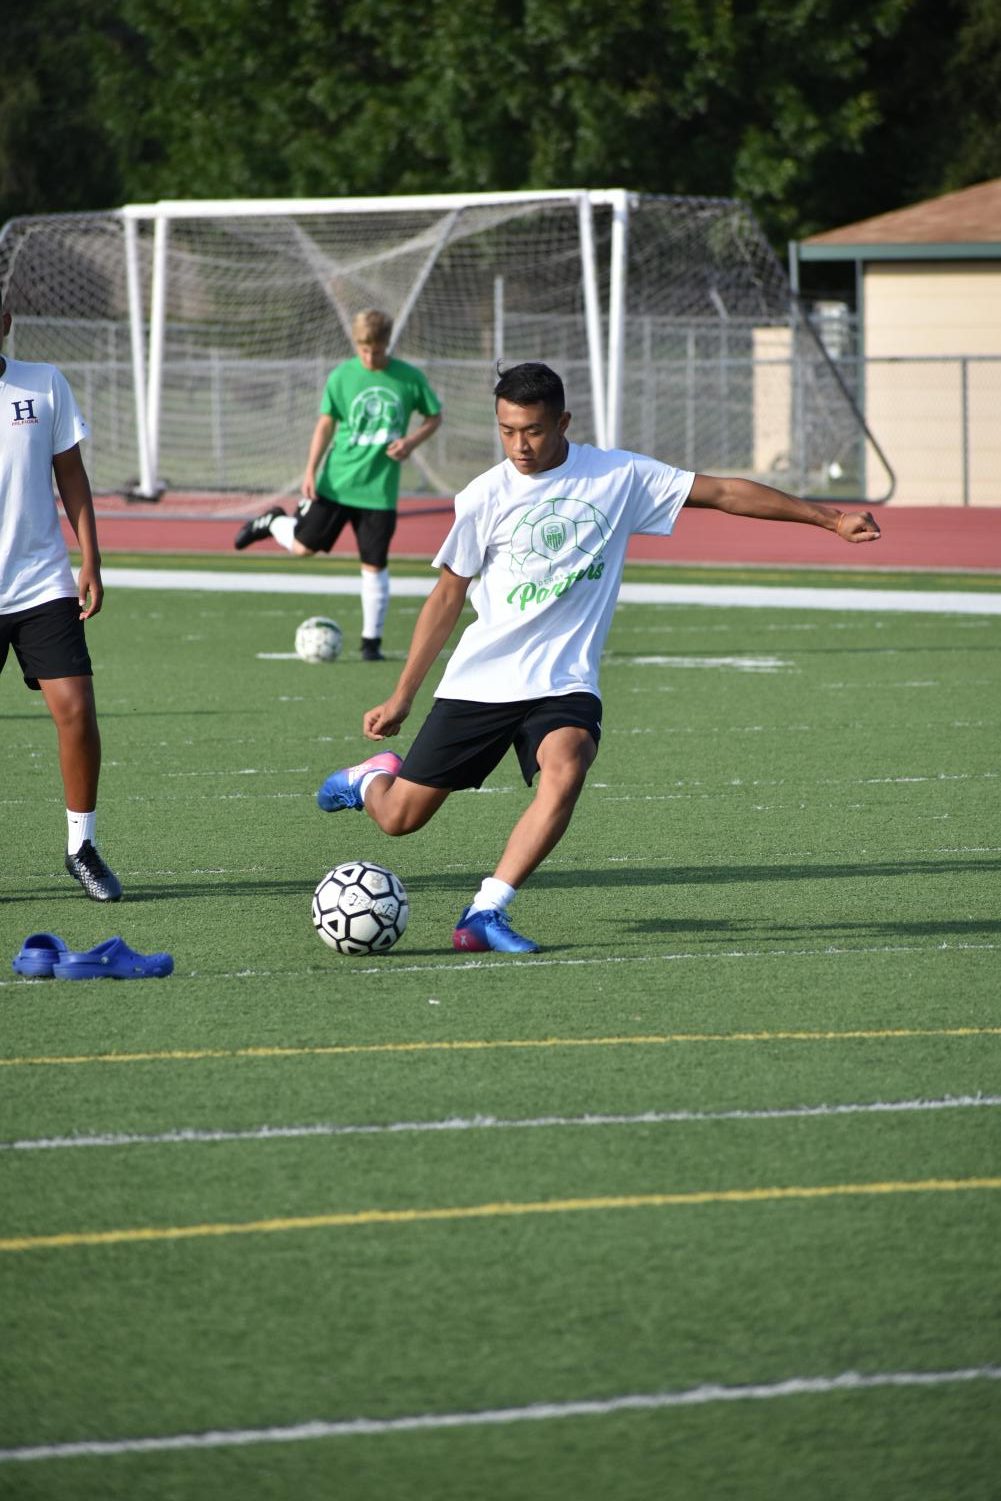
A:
24,412
557,543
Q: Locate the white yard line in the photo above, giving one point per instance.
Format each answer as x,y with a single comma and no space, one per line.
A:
191,1135
741,596
537,961
536,1412
389,969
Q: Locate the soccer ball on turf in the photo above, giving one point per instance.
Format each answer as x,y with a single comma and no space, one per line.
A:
319,640
360,908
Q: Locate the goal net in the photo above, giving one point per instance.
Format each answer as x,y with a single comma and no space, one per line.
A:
198,336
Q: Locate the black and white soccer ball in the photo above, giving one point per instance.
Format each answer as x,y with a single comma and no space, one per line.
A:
360,908
319,640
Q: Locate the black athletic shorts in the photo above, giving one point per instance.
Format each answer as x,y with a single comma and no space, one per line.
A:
460,742
48,641
321,522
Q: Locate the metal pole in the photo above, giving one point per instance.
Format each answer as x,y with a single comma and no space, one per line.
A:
617,314
690,399
218,434
592,319
157,322
498,350
138,356
964,376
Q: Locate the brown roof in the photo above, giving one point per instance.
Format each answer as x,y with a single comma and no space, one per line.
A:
971,215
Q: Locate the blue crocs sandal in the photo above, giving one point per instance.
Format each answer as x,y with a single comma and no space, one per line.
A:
39,953
112,960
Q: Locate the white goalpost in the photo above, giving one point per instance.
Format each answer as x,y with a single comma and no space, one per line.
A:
198,334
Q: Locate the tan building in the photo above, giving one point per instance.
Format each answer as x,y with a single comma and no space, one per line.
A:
928,301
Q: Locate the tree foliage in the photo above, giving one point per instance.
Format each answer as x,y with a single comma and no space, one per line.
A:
816,112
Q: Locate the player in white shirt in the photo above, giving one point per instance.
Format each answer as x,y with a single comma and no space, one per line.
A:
42,607
542,540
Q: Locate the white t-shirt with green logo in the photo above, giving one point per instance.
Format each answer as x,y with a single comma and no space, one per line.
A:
549,550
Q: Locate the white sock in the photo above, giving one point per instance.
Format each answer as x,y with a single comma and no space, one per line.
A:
374,602
493,894
368,779
80,828
283,531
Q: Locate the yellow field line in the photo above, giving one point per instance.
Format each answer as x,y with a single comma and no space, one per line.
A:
197,1055
71,1239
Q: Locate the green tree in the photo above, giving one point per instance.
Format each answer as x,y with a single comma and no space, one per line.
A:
815,112
971,122
55,154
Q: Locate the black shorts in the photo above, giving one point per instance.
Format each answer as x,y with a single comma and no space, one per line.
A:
321,522
460,742
48,641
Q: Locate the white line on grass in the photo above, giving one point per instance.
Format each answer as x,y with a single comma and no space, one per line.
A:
830,951
738,664
536,1412
683,784
187,1135
386,969
747,596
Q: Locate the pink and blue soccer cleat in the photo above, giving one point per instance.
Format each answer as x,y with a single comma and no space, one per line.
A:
478,932
342,789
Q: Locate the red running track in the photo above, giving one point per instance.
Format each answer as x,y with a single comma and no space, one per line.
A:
940,538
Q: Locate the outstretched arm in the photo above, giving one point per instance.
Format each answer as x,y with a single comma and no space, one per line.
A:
78,503
745,497
435,624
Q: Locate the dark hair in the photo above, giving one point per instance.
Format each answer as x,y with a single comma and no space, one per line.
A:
529,385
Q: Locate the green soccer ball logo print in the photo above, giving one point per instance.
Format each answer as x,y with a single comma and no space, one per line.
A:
558,536
376,416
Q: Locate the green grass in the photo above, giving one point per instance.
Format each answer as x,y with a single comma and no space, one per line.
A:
779,893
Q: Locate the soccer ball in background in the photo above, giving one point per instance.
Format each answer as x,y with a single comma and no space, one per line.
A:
319,640
360,908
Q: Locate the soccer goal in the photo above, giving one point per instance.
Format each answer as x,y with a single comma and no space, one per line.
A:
198,335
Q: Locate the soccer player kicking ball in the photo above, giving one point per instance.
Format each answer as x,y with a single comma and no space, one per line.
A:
42,609
544,535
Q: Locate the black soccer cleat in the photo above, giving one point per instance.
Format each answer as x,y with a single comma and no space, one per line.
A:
371,649
258,529
87,867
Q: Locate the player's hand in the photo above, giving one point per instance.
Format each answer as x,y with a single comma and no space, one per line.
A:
857,526
90,592
399,450
385,720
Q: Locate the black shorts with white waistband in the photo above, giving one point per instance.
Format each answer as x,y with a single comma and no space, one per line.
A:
461,742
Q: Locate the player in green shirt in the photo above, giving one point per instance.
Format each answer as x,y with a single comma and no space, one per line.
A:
353,467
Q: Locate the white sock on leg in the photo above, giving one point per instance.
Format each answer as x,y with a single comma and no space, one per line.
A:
80,827
283,531
374,602
493,894
368,779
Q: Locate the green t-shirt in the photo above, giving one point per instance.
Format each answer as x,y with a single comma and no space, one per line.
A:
371,408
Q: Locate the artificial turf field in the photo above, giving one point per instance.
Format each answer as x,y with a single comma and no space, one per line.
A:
704,1200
